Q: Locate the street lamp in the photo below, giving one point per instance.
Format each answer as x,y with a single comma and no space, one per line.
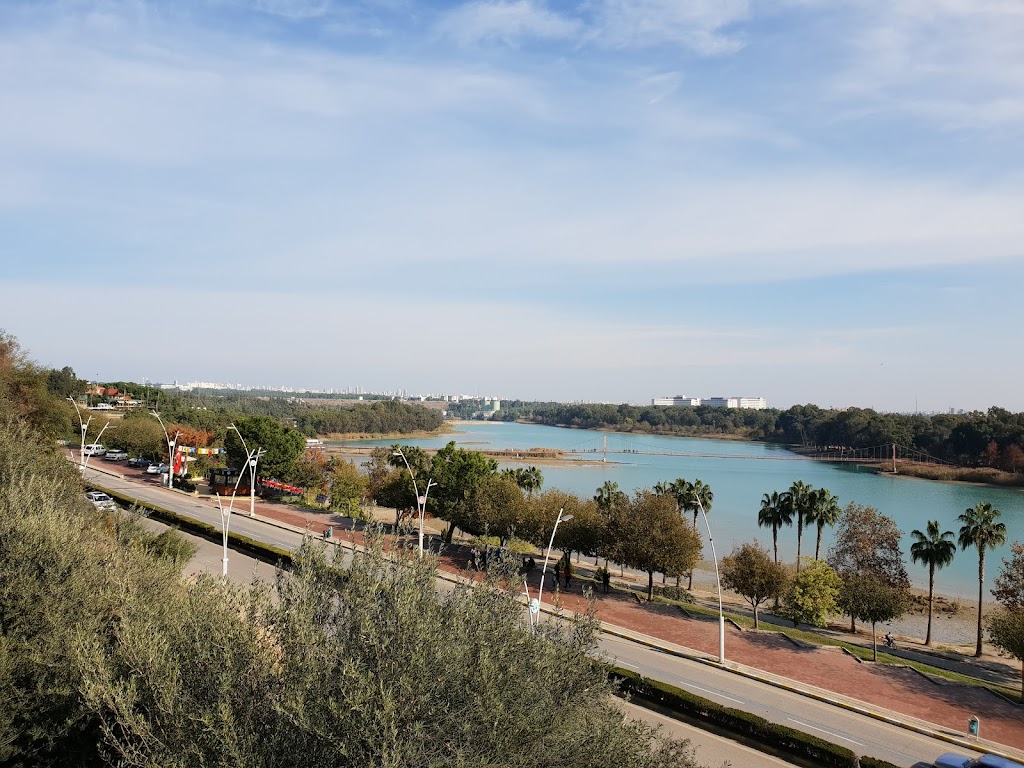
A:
84,425
540,592
421,501
225,523
172,443
252,458
718,578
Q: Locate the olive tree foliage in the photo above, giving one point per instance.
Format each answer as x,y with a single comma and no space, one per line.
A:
750,572
108,656
867,544
813,594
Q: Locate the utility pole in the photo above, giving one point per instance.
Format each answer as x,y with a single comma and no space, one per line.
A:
894,458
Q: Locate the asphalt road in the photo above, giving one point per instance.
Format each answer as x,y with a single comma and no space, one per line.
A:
863,734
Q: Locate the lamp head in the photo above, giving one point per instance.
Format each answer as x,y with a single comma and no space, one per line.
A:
564,518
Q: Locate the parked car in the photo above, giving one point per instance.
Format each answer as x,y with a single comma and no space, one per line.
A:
953,760
157,469
115,456
95,449
100,500
139,462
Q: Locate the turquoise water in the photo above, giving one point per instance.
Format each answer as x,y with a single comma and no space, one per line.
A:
740,473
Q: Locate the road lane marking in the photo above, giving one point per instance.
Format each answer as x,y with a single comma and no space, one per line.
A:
823,730
709,691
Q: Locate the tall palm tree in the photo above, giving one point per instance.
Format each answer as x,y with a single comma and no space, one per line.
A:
775,512
608,495
800,496
700,497
981,529
661,488
935,550
824,510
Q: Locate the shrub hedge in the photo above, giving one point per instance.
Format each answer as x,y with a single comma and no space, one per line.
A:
744,723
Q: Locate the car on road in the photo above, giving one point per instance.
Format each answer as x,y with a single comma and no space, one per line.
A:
953,760
100,500
94,449
115,456
139,462
157,469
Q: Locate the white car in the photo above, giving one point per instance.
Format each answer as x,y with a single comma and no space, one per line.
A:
94,449
157,469
115,456
100,500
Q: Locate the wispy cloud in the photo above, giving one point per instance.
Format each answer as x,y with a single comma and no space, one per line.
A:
705,26
505,21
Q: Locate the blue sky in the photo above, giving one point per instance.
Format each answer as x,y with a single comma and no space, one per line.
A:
603,200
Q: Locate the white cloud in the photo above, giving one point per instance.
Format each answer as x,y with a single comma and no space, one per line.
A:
956,63
506,22
700,25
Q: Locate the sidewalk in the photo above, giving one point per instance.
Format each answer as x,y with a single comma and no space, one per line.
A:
893,693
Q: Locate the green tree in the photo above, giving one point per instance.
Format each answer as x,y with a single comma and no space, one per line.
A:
870,597
281,445
824,510
775,512
750,572
1006,626
1009,584
813,594
457,473
496,507
348,487
1006,631
867,544
982,530
936,550
652,537
609,496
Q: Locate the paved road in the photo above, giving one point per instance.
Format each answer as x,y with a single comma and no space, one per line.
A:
863,734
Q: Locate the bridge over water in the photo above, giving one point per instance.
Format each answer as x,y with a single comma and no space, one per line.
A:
876,454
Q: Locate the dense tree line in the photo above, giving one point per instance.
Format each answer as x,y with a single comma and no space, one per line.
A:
993,438
109,656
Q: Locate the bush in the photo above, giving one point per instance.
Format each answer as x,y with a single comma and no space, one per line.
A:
874,762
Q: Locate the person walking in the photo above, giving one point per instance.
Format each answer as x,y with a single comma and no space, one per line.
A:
567,570
606,579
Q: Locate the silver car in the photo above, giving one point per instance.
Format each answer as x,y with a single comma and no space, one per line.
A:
100,500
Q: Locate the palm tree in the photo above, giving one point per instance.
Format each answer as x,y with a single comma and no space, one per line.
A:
700,497
935,550
775,512
661,488
981,530
824,510
800,496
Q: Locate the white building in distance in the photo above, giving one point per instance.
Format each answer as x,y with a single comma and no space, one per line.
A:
753,403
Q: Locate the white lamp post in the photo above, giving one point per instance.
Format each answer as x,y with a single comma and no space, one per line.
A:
721,616
540,592
225,523
252,458
421,501
172,443
84,425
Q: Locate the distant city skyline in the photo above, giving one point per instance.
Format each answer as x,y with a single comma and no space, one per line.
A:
604,200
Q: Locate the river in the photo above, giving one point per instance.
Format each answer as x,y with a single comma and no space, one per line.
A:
739,473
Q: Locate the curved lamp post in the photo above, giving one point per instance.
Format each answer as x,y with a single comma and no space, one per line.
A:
252,458
540,592
83,459
721,615
172,443
421,501
225,523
